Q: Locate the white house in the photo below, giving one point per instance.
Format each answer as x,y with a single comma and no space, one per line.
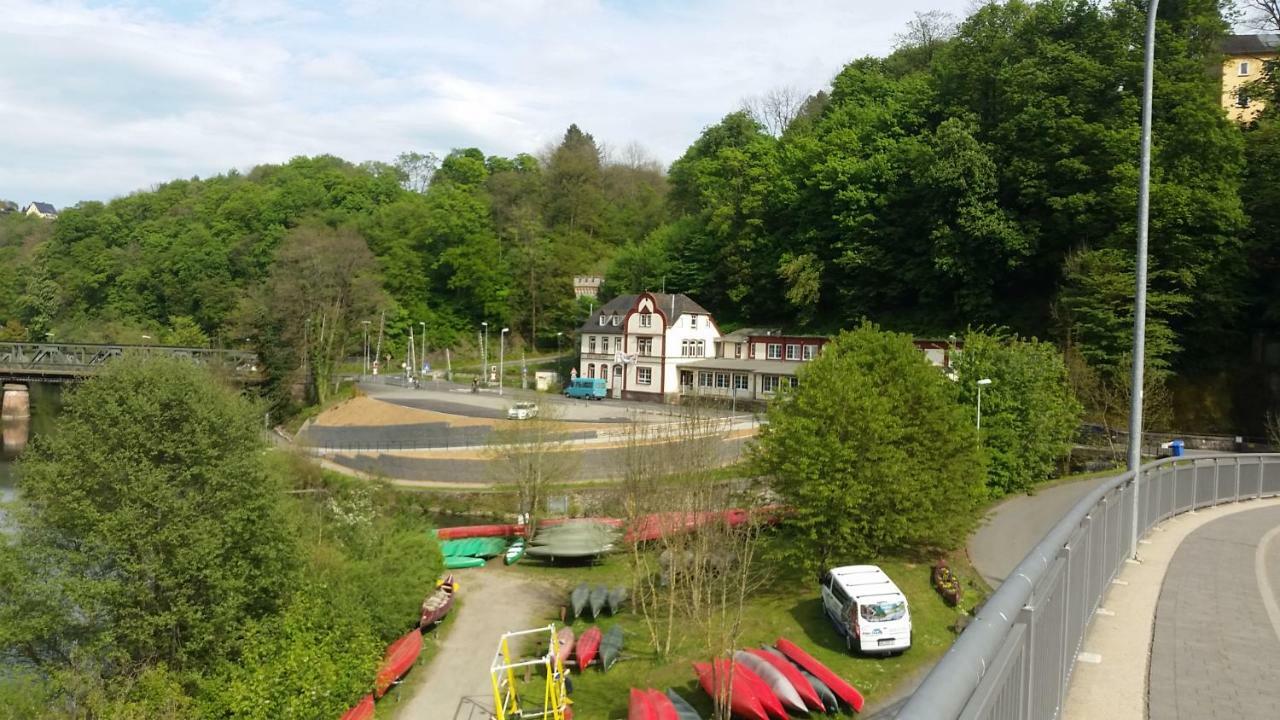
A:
42,210
638,343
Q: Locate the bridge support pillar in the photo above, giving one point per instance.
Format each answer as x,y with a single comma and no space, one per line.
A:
17,402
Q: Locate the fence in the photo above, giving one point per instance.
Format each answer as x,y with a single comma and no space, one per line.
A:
1015,659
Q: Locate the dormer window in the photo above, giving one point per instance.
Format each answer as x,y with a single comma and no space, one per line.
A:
603,320
646,320
616,319
693,322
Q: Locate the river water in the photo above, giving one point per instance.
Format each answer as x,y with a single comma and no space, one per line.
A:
46,401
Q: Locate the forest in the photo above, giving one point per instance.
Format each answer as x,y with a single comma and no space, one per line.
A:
983,175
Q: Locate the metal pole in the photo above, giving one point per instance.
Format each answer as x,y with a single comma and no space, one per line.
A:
1140,281
422,360
502,349
979,414
448,365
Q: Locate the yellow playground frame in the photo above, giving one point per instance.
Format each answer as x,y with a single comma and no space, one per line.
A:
506,694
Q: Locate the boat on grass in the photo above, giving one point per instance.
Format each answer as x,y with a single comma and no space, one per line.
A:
459,563
564,644
362,710
400,657
650,705
587,646
684,710
742,699
471,531
579,598
617,596
847,693
611,647
768,700
514,552
438,604
808,694
777,682
599,596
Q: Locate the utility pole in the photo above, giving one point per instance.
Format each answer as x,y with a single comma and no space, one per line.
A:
364,370
448,363
484,354
502,348
423,359
382,323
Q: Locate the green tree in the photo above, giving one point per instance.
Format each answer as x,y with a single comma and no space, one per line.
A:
1029,412
871,453
148,528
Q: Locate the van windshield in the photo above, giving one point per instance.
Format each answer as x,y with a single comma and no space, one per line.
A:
883,611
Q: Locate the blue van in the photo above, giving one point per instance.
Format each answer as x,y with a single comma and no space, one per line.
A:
587,389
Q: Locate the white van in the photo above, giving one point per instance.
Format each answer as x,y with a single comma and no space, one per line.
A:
867,608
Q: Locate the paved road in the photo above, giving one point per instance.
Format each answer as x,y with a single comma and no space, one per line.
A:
1216,649
1013,527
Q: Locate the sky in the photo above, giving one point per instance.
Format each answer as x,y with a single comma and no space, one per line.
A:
99,99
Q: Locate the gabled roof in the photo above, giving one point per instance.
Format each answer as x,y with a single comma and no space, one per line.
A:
45,208
1251,44
623,304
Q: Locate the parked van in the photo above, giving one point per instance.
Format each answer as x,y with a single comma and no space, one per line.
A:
867,608
587,389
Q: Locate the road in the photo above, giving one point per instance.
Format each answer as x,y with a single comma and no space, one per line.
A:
1216,646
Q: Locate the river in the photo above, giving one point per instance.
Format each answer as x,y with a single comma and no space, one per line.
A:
46,401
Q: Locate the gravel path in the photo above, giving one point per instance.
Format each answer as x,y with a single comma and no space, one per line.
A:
492,600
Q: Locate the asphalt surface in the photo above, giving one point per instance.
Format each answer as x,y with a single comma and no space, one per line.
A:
1216,646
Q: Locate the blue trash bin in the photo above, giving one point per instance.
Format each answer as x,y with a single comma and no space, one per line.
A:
1176,447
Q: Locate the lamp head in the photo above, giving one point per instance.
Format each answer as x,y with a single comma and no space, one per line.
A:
984,381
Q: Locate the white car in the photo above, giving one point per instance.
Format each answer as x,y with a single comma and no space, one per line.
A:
522,411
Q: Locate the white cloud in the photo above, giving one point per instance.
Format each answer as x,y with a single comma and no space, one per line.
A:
99,101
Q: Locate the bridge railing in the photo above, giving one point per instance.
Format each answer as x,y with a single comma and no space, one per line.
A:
1015,660
37,359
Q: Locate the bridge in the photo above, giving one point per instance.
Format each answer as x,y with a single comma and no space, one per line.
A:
62,362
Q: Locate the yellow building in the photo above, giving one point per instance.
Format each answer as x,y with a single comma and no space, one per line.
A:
1247,57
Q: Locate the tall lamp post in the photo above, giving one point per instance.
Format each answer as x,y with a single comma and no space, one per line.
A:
484,354
981,383
1140,280
559,352
422,360
365,369
502,348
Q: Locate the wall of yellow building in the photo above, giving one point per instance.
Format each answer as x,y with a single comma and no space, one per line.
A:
1233,79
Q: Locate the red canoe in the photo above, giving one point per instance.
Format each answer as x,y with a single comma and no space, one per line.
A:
564,638
663,709
843,690
587,647
742,702
470,531
639,708
768,699
362,710
436,605
793,676
401,655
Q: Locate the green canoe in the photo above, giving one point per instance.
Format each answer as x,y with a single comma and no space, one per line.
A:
459,562
610,647
617,596
514,553
579,598
599,595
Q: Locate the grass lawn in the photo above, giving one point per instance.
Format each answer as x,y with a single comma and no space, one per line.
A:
398,697
789,606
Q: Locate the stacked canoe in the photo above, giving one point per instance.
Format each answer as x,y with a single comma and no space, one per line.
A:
586,597
775,682
471,552
573,540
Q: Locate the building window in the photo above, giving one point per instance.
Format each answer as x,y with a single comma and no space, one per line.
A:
722,380
1244,68
741,382
591,343
591,370
603,320
604,344
616,319
693,322
793,352
810,351
737,350
793,381
1242,98
686,378
617,371
769,383
693,348
644,346
646,320
644,376
704,379
773,351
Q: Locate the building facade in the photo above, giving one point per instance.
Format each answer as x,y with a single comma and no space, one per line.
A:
42,210
587,285
1247,58
639,343
751,365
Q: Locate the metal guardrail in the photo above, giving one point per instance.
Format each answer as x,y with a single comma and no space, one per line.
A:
48,360
1015,660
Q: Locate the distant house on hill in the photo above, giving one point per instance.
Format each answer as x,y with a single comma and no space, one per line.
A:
587,285
42,210
1247,59
8,206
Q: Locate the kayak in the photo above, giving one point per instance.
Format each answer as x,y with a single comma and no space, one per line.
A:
742,701
578,598
564,641
470,531
777,682
400,657
661,706
438,603
847,693
362,710
639,708
458,563
684,711
617,596
599,595
515,552
808,695
611,647
829,700
587,646
768,700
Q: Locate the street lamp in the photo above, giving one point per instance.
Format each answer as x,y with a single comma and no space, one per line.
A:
559,352
1140,276
484,354
502,347
365,369
981,383
422,361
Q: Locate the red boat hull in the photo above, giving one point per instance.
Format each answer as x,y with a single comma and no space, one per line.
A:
742,702
793,676
564,639
470,531
587,646
362,710
843,690
639,708
662,707
401,655
768,699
